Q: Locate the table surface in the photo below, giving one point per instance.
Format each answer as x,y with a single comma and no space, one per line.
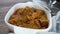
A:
5,5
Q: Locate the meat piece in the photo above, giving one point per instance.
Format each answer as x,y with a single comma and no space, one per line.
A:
44,23
40,12
12,21
37,23
35,15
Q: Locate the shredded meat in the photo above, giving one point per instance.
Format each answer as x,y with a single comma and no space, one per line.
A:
29,18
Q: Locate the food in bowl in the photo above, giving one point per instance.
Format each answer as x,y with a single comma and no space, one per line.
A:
29,17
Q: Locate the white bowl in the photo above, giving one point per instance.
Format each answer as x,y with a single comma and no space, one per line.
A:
30,4
58,15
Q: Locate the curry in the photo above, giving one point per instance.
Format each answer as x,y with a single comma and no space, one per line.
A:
29,17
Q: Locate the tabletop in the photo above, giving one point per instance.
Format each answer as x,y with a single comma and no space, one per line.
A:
5,5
